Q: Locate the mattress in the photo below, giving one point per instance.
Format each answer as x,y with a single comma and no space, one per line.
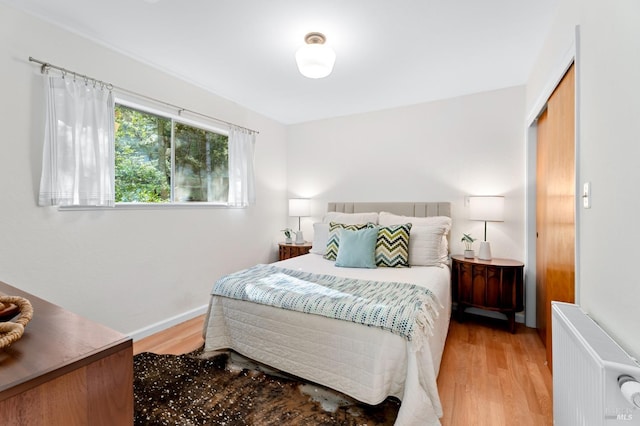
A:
366,363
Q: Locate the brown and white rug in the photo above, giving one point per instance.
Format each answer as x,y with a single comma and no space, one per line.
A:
222,390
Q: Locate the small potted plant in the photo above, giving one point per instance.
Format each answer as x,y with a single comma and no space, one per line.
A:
287,234
468,240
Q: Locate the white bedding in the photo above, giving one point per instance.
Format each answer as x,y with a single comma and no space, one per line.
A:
366,363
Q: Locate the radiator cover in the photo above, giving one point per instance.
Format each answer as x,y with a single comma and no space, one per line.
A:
586,365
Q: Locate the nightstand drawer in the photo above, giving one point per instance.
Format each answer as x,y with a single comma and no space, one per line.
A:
287,251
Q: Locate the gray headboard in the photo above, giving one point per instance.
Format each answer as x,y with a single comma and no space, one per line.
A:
419,209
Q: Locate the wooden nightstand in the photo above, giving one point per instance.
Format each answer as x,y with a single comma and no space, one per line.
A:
288,251
494,285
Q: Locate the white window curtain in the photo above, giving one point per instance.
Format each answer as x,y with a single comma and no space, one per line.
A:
242,191
78,154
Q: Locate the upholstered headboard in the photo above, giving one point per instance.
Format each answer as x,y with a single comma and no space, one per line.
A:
417,209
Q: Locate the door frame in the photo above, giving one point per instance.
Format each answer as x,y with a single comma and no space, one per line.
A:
531,133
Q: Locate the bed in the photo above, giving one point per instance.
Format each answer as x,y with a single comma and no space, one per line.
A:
368,363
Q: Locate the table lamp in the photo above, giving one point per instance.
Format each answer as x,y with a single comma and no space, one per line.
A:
486,209
299,207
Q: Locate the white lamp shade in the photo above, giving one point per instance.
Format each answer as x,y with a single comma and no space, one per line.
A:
299,207
486,208
315,60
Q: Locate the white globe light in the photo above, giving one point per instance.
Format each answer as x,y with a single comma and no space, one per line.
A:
315,59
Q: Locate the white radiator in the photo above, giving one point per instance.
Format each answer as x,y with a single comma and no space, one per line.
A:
595,382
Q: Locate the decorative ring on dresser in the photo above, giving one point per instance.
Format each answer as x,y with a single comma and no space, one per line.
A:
12,331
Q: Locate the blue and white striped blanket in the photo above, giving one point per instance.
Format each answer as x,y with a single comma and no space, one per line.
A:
404,309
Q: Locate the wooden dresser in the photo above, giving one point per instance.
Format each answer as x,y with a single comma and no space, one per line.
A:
65,370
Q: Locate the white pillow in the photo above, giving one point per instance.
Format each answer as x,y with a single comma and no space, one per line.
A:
426,246
320,237
387,218
351,218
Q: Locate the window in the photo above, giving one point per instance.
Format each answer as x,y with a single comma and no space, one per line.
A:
159,159
152,158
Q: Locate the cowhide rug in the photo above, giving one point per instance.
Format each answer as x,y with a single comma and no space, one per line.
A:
194,390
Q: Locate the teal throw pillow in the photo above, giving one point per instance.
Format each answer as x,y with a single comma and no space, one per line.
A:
333,241
357,248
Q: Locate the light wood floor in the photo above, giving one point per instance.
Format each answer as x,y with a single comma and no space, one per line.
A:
488,376
176,340
491,377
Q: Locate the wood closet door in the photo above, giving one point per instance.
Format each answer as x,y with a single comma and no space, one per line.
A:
555,205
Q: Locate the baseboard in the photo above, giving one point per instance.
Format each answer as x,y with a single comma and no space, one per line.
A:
491,314
168,323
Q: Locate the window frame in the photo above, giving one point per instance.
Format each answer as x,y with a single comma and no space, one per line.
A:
168,113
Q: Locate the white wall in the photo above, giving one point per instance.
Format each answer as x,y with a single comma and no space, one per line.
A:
437,151
556,50
608,151
128,269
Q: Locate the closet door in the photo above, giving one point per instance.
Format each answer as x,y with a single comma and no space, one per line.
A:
555,205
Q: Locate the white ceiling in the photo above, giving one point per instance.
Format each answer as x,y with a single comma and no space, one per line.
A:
389,53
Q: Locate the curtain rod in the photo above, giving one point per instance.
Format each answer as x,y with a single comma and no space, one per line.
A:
45,65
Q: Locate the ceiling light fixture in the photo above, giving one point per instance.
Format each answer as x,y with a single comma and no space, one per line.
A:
315,59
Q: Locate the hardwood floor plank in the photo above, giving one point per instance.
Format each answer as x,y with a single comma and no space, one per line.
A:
488,376
180,339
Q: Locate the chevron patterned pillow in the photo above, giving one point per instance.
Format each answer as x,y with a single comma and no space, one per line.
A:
333,242
392,247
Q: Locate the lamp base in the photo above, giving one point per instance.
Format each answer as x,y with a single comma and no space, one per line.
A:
485,251
299,238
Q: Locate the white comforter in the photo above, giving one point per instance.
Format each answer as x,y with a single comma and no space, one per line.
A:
366,363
